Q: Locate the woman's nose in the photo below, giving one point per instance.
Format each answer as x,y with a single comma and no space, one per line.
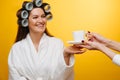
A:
40,20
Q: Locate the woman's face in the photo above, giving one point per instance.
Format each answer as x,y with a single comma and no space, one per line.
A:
37,21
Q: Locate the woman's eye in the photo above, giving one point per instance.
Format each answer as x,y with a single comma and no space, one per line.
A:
34,17
43,16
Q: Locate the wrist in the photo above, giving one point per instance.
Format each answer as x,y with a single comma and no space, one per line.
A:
101,47
107,42
66,55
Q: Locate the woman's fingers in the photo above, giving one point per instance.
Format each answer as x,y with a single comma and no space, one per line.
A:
74,50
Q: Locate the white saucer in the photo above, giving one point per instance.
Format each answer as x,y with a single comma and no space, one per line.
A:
74,42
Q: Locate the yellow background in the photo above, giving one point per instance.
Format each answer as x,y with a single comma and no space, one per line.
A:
101,16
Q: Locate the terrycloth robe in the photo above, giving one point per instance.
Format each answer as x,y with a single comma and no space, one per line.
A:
116,59
25,63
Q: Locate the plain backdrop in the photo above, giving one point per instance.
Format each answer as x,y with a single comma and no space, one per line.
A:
101,16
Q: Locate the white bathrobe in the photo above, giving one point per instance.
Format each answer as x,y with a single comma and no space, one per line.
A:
116,59
25,63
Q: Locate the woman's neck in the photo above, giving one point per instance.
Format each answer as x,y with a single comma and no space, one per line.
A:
35,37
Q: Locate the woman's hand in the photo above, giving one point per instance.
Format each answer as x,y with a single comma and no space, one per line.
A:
96,37
91,45
73,50
68,51
94,41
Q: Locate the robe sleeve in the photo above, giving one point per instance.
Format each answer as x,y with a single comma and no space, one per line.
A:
13,73
67,69
116,59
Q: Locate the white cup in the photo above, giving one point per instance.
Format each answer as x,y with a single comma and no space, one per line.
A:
79,35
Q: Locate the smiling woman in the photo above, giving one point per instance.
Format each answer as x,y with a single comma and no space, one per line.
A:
36,55
29,14
37,20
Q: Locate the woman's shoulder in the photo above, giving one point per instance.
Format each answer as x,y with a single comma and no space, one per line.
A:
18,44
55,39
56,42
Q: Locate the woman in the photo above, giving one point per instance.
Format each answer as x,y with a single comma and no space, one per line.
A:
36,55
97,42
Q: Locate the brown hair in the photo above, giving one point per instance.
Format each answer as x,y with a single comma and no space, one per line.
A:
23,31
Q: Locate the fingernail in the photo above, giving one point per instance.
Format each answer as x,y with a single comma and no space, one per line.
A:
89,39
88,31
82,41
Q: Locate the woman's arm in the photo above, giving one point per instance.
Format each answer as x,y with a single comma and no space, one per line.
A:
13,73
113,45
107,51
93,45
